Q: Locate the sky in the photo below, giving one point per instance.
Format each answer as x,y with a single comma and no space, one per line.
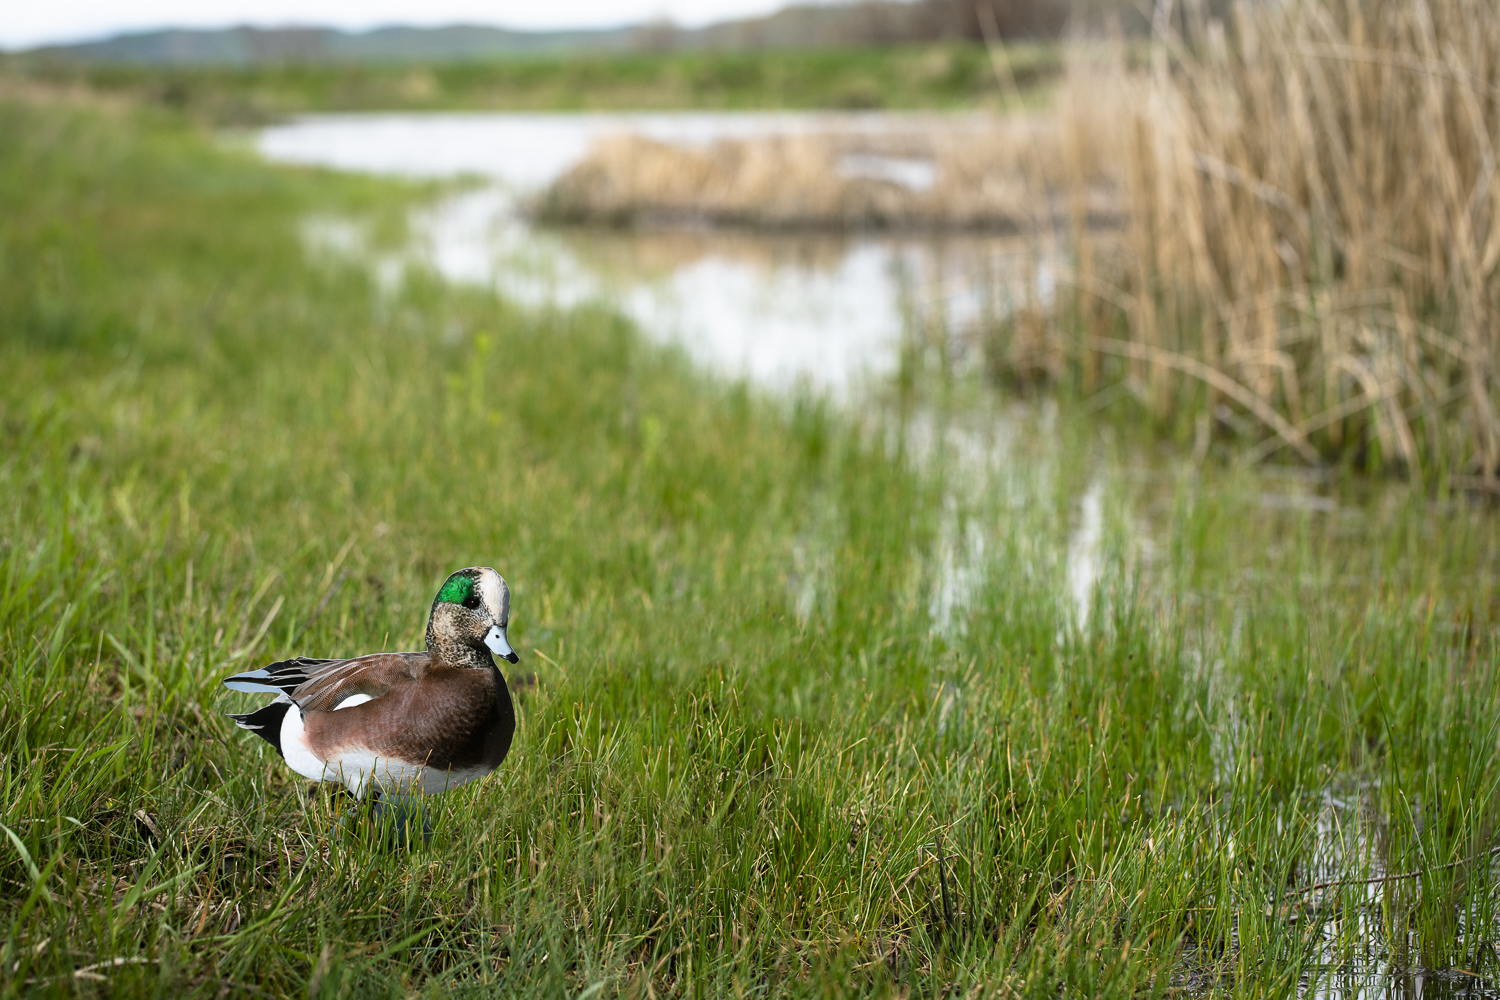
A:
25,23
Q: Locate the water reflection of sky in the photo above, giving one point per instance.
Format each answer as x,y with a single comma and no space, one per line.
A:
777,309
528,150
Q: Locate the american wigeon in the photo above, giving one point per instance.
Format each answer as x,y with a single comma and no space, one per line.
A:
399,722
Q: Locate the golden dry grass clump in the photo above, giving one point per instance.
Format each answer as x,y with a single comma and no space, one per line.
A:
1314,225
823,180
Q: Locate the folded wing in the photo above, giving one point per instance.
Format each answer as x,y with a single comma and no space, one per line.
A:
325,685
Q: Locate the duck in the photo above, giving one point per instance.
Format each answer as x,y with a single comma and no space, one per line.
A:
414,723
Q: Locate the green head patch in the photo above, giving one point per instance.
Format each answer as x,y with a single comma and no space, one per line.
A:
459,590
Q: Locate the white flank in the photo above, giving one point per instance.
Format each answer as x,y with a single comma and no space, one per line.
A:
299,756
361,769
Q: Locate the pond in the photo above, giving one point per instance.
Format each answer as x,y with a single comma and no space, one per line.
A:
777,308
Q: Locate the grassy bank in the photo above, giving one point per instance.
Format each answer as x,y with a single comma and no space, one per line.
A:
905,76
813,711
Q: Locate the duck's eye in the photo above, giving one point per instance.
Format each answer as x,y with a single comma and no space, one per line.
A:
472,602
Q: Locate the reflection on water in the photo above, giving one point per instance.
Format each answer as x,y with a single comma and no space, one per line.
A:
772,310
777,309
1440,984
1084,565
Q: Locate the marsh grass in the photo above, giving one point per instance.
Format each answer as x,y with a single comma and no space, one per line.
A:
758,755
1309,266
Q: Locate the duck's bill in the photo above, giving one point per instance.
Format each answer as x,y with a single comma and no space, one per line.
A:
499,645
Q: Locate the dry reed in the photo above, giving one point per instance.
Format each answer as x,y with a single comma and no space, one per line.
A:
1314,227
824,180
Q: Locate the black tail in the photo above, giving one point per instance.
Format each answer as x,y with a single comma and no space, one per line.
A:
265,723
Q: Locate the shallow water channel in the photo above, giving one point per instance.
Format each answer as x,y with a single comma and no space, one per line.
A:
830,311
776,308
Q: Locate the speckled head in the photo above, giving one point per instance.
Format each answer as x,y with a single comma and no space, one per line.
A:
470,616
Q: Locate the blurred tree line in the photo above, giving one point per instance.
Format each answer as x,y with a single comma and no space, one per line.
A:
887,22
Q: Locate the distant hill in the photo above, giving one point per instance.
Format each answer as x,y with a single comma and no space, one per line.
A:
871,22
246,46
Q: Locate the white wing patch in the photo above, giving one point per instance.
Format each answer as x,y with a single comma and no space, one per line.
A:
353,700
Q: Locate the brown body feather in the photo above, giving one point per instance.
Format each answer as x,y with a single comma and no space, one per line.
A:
422,713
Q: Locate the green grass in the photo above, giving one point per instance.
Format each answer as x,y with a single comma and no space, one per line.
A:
759,758
943,76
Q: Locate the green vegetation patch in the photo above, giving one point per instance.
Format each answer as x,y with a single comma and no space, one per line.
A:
786,728
950,75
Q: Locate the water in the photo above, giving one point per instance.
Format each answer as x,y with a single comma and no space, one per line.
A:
829,311
528,150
